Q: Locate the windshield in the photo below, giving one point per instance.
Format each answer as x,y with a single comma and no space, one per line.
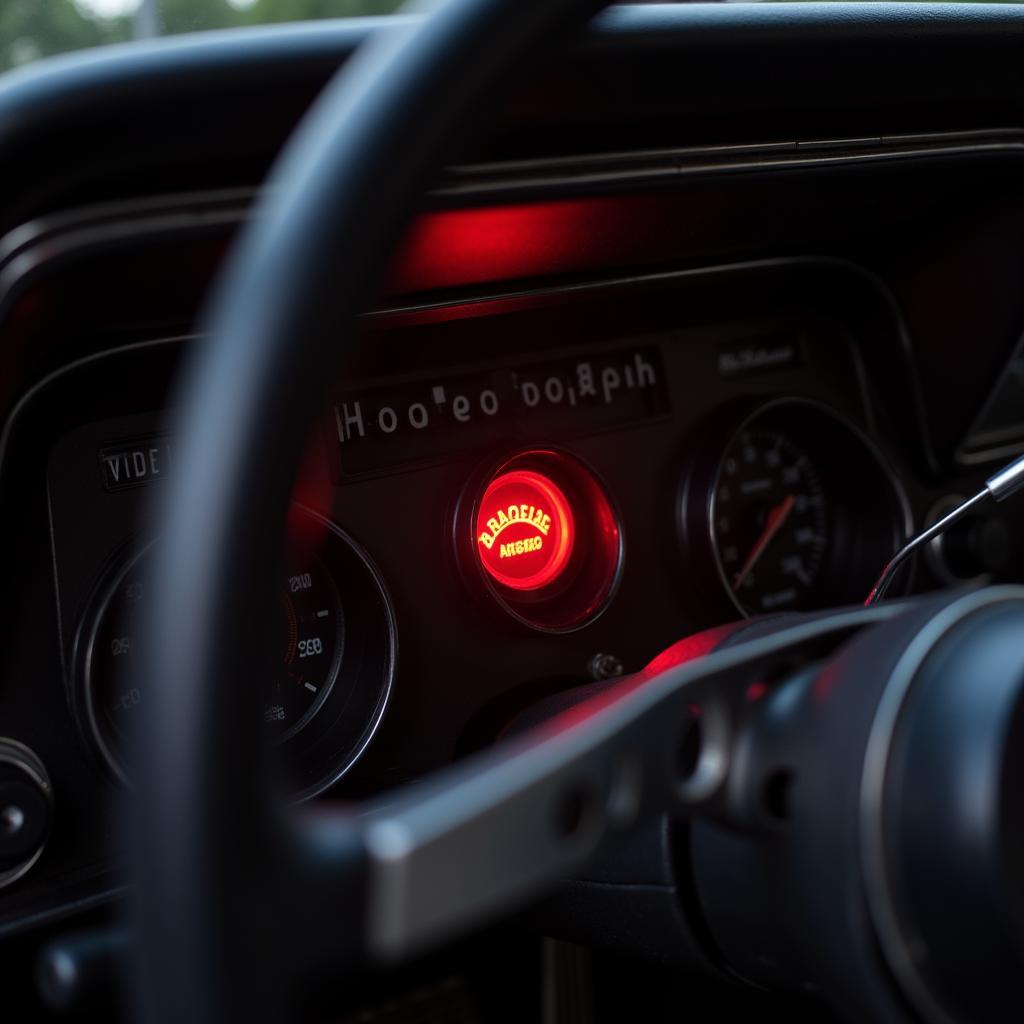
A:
30,29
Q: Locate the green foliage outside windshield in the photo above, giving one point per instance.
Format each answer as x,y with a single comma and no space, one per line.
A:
30,29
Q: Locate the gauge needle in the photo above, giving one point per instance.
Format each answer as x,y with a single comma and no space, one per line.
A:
776,518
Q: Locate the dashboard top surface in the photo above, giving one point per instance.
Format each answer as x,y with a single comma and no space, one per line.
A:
609,94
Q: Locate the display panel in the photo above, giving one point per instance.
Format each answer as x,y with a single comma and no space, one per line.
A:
376,429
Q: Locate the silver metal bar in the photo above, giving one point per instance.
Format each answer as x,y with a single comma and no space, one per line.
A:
1007,481
933,531
447,853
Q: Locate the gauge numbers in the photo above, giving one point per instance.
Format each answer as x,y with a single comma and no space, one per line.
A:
313,627
769,522
329,658
786,506
309,642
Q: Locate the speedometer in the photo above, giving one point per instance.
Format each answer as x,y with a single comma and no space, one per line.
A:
790,507
770,521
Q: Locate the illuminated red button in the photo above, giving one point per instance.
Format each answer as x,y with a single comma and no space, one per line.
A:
524,530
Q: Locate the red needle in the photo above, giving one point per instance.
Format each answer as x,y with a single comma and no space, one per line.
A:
772,525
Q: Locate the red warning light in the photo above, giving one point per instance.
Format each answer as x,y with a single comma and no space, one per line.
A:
524,530
542,533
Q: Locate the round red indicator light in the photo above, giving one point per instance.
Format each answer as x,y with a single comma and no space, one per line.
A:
524,530
540,533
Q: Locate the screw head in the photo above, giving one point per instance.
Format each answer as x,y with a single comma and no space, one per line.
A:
605,666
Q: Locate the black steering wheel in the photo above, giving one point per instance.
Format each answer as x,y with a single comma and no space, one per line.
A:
238,898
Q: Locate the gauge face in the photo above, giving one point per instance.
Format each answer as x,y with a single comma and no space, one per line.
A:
310,638
326,689
789,506
314,634
769,521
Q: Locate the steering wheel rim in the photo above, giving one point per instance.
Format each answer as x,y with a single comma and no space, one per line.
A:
205,840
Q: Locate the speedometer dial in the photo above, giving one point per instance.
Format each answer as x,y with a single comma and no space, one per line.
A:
769,521
791,507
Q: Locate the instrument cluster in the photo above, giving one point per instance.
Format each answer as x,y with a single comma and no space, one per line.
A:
597,481
557,487
771,516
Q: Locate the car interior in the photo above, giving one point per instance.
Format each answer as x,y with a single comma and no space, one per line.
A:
510,514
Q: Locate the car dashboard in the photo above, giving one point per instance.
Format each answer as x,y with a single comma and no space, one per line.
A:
630,377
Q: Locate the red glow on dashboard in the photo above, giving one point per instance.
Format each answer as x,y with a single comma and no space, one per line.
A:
690,648
450,247
524,530
755,691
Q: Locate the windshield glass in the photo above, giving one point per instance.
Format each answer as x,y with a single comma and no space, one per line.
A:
30,29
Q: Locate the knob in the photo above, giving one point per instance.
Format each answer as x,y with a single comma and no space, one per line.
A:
26,806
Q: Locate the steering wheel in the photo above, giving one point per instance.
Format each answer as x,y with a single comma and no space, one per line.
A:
239,899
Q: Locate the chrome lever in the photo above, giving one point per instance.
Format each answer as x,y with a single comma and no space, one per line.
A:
998,487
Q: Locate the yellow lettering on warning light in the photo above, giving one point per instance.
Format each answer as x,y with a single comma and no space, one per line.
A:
533,515
521,547
535,512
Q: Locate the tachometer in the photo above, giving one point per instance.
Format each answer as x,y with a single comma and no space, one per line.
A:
313,640
309,645
330,680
